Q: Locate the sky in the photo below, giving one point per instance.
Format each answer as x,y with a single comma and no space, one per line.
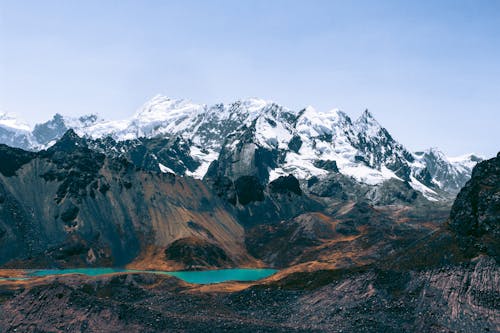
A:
429,71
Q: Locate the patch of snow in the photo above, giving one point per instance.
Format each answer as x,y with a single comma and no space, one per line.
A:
426,192
165,169
205,158
269,136
367,175
276,173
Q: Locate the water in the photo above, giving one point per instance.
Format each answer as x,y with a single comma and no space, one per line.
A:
198,277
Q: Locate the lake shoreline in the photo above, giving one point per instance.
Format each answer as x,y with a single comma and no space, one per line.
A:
212,276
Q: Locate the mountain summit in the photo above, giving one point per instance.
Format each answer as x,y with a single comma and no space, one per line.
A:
303,142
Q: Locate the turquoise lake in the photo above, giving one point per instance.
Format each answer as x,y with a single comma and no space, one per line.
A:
199,277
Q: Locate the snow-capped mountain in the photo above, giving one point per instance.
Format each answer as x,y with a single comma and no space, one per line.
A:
14,132
46,134
310,143
448,173
255,137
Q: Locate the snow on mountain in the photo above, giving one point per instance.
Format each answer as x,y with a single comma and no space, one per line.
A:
305,143
10,122
165,169
14,132
159,116
465,162
163,116
448,173
47,133
327,136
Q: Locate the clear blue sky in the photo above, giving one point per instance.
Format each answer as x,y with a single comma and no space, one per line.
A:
428,70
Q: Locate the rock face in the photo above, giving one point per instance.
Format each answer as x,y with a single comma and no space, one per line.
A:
73,206
288,184
459,298
475,215
196,253
257,203
159,154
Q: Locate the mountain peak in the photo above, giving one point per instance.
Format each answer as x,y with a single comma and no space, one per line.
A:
251,106
69,136
162,105
160,98
304,139
255,101
68,142
436,152
367,114
313,123
467,157
367,117
11,121
367,124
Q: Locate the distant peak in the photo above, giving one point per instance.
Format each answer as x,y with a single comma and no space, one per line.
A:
467,157
68,142
89,119
160,106
436,152
252,107
340,113
253,103
12,121
367,119
160,98
367,116
256,100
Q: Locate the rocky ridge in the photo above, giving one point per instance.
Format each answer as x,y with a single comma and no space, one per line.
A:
71,205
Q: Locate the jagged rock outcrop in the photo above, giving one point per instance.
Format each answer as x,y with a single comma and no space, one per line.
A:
159,154
475,215
283,185
255,203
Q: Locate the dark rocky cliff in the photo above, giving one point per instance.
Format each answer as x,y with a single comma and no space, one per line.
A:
73,206
475,215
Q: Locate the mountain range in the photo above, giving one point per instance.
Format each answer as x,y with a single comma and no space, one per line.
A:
364,233
345,265
258,138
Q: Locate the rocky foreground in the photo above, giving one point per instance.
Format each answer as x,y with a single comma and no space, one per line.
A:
456,298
